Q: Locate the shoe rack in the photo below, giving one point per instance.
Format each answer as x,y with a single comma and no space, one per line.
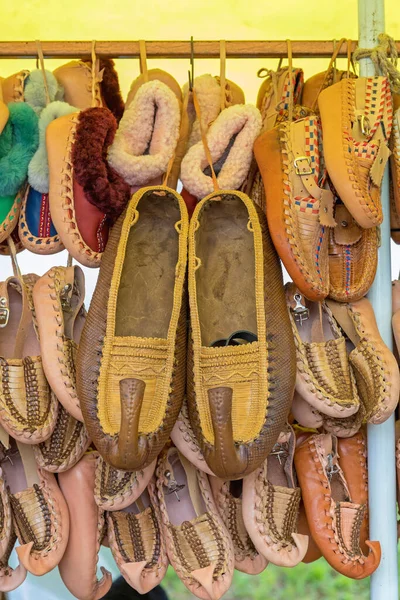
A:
381,438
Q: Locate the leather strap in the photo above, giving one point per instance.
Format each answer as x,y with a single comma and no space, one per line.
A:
204,140
41,61
291,82
193,485
143,60
341,314
222,71
29,464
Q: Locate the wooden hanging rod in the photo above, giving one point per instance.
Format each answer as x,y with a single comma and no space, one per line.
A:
174,49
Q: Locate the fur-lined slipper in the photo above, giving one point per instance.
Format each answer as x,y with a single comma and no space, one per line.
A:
36,228
230,140
147,136
76,79
18,142
86,193
29,87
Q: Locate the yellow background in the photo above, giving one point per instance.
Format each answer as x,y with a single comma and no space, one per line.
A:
179,19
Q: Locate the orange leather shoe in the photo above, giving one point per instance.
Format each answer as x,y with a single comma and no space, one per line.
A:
334,518
356,136
78,566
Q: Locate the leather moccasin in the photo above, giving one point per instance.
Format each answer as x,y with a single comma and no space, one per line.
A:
28,407
85,86
396,313
271,500
66,445
137,543
274,94
78,566
394,144
58,298
353,257
334,519
299,203
324,376
374,366
313,552
305,414
356,116
228,496
40,513
132,353
115,489
315,84
347,427
28,87
11,579
86,195
199,546
240,377
151,139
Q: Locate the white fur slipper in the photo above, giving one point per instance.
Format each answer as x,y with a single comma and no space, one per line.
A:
230,140
147,135
38,170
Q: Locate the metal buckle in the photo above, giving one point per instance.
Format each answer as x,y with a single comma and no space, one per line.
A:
300,312
302,170
331,468
4,313
364,125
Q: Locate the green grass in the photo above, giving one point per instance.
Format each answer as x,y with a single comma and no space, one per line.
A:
316,581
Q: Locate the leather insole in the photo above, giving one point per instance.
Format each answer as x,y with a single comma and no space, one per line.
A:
225,279
183,509
145,295
8,333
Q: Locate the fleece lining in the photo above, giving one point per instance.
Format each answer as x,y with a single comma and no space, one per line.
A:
38,170
147,135
230,137
35,93
18,143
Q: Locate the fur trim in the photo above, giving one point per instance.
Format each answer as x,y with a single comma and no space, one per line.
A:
18,143
110,88
35,93
230,140
147,135
102,185
208,92
38,170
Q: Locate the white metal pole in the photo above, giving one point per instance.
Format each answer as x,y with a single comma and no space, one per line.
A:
381,438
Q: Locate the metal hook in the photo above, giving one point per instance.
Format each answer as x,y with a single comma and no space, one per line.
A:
191,71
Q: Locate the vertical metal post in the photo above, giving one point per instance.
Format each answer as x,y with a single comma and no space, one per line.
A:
381,438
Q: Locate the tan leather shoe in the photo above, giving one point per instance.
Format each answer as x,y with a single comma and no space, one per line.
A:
333,517
28,408
198,544
40,514
58,298
324,376
299,203
374,366
237,310
305,414
136,541
117,490
13,87
66,445
78,566
353,257
228,497
273,95
271,501
313,552
315,84
356,138
131,357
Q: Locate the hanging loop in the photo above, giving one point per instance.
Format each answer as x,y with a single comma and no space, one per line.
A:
222,72
143,59
291,82
41,62
14,262
204,140
95,72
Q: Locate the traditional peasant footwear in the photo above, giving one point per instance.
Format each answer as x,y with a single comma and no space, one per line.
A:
115,489
314,85
240,379
353,257
137,543
299,203
334,518
305,414
86,194
148,134
228,496
230,140
18,142
66,445
29,87
184,439
274,94
11,579
356,135
395,176
85,87
40,514
375,368
324,376
58,298
132,353
198,544
347,427
78,565
313,552
36,228
271,500
28,408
